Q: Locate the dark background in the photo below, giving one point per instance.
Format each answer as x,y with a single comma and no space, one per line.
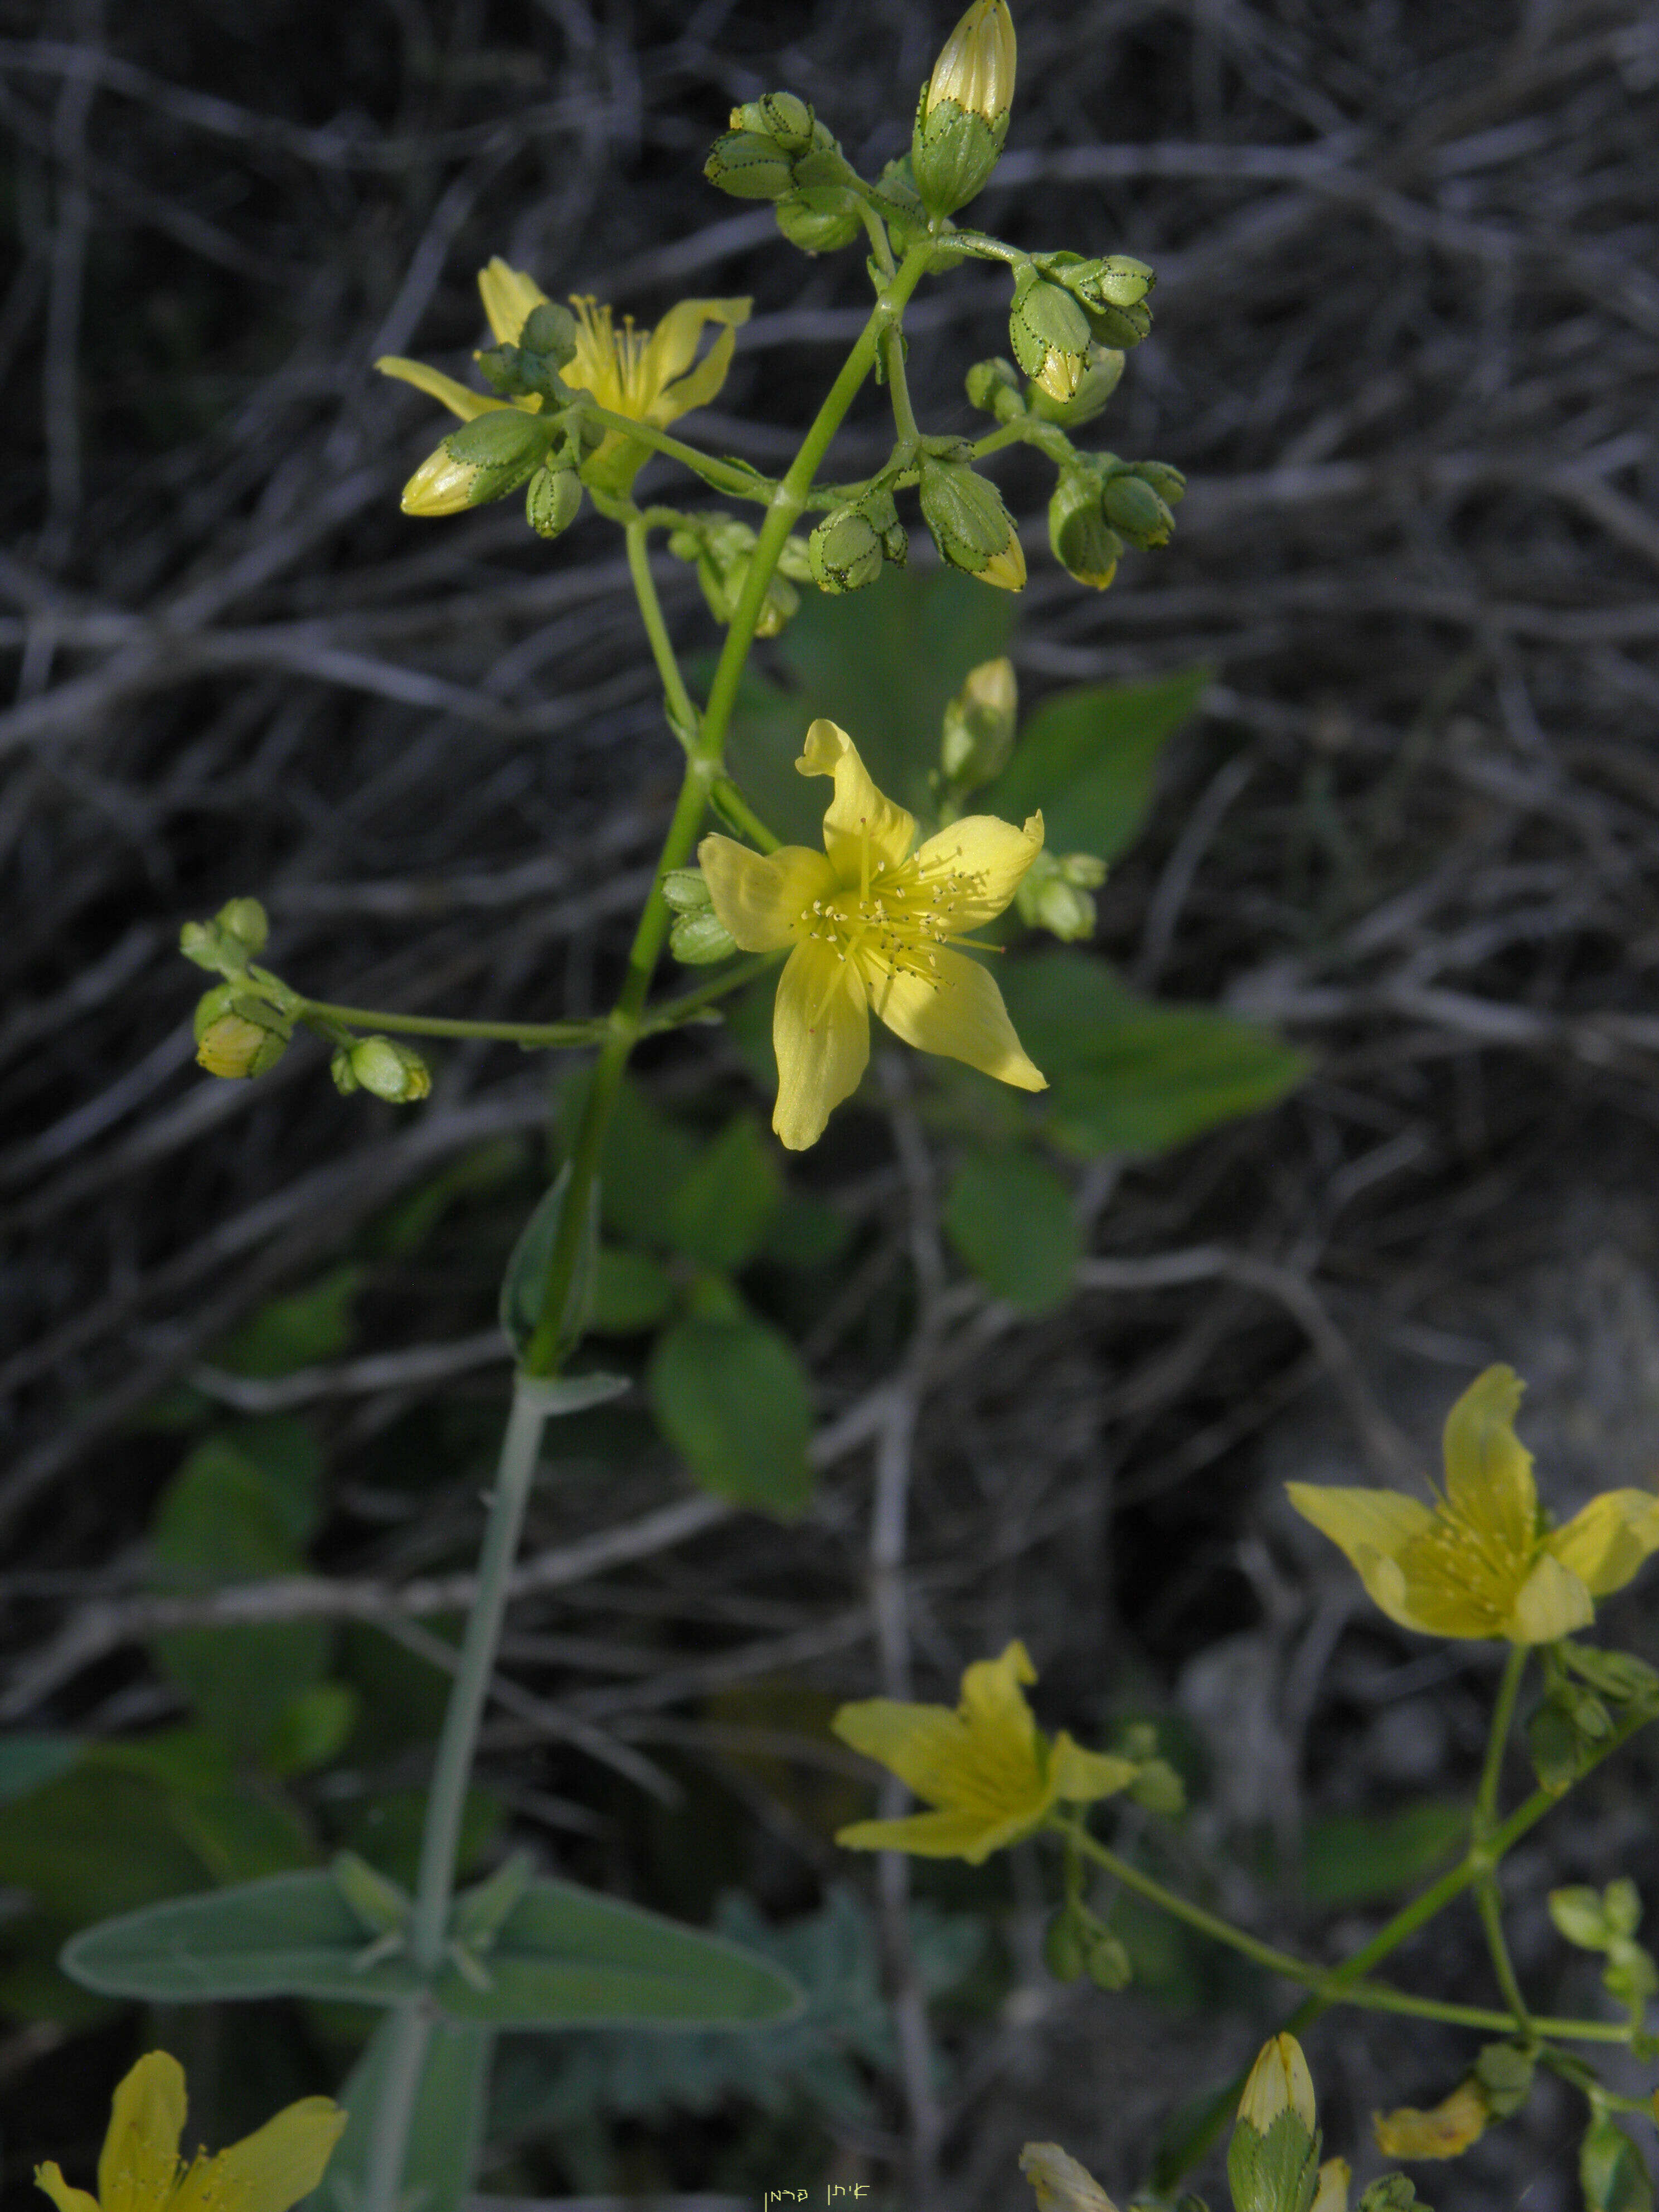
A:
1407,329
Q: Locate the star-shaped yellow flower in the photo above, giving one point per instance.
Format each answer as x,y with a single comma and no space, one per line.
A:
649,375
1483,1560
870,923
139,2169
987,1769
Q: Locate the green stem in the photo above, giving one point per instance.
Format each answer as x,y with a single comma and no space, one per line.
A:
728,801
539,1035
682,715
898,384
445,1802
1483,1820
742,484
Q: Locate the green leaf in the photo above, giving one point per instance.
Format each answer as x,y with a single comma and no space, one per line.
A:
28,1762
631,1292
94,1842
806,1232
524,1286
1127,1076
296,1331
1012,1219
445,2131
720,1213
224,1519
883,663
1088,757
310,1728
643,1158
1362,1858
386,1830
562,1956
733,1396
1612,2171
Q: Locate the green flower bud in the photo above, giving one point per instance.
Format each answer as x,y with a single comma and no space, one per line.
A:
243,918
994,387
239,1036
789,122
971,527
961,117
1106,1961
1158,1787
819,219
222,945
1083,543
1045,900
1119,280
1272,2160
749,167
1101,368
1119,326
846,552
549,333
1063,1948
686,891
978,734
1088,872
485,459
381,1065
1135,511
877,506
1169,483
699,938
552,500
1049,333
1504,2076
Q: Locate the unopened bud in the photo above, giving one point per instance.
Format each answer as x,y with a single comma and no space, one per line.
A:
845,551
994,386
1169,483
1119,326
819,218
243,918
749,166
1272,2160
1088,872
1102,367
482,461
697,940
1045,900
1135,511
1331,2193
978,734
550,332
1119,280
1049,333
552,500
222,945
971,527
779,116
1106,1961
961,117
1063,1947
1084,545
385,1067
238,1035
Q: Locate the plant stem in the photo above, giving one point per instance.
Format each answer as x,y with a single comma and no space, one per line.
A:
545,1036
445,1802
741,484
682,716
1482,1821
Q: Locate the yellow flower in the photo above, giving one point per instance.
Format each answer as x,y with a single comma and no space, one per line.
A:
1060,2183
870,923
987,1769
1446,2131
139,2169
1483,1561
649,375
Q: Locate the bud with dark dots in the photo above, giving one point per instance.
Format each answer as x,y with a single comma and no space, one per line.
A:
1083,543
961,117
971,527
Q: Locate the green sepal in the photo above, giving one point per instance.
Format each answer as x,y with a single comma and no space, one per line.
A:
953,151
700,939
1505,2074
819,218
1277,2171
749,167
552,500
382,1905
1611,2170
503,446
1391,2192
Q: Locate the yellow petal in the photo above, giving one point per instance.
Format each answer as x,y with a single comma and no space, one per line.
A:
469,405
508,296
1371,1526
1060,2184
1488,1469
1080,1776
1606,1543
992,1695
921,1744
821,1034
987,857
860,827
958,1011
442,485
1550,1604
763,899
673,346
283,2161
1279,2082
1332,2194
50,2178
963,1833
140,2156
1445,2132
